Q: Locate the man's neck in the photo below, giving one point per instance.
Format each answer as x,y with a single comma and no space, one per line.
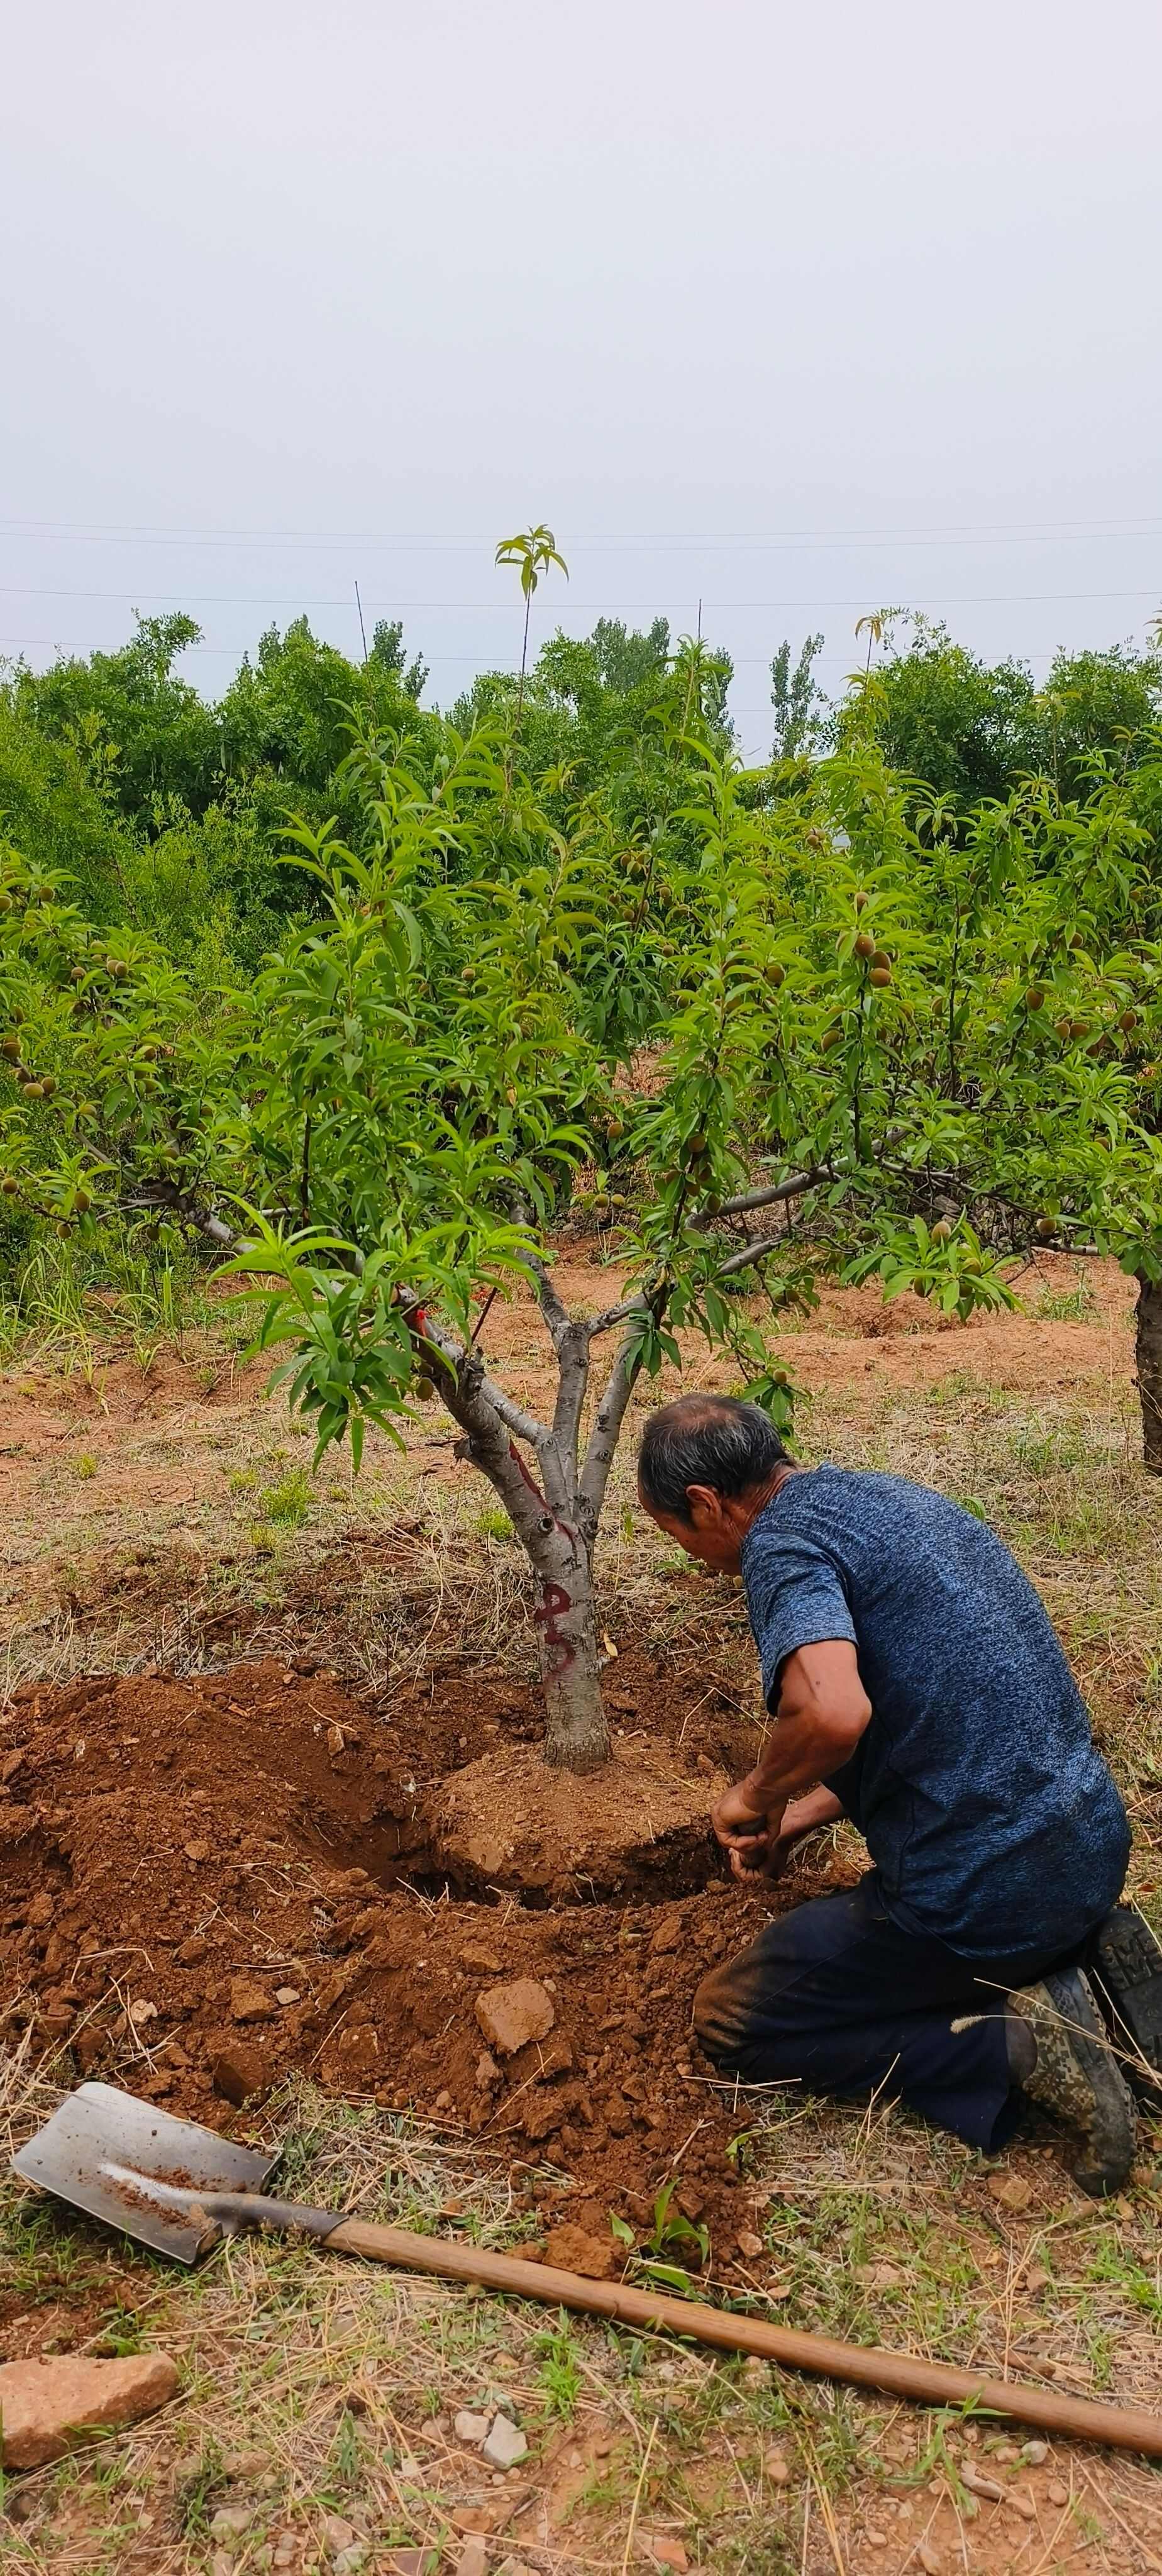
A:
765,1494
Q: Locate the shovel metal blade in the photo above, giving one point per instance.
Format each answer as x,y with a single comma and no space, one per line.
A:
100,2138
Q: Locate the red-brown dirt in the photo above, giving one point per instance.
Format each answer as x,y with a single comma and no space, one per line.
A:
190,1872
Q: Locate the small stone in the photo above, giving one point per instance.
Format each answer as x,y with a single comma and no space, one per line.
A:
1023,2503
511,2015
287,1995
978,2485
230,2521
285,2553
777,2468
1012,2190
409,2466
470,2428
191,1952
249,2002
749,2244
221,2563
929,2558
1034,2453
197,1851
349,2561
570,2249
1057,2493
665,2551
488,2074
875,2539
239,2073
47,2406
666,1935
506,2445
473,2560
409,2562
336,2534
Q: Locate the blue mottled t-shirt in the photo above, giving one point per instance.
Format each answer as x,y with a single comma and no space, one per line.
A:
988,1811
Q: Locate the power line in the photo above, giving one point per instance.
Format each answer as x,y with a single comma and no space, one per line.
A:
576,607
1000,532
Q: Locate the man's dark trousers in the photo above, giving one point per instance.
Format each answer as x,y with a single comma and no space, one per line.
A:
837,1997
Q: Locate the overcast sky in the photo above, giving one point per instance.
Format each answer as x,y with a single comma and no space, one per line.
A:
799,311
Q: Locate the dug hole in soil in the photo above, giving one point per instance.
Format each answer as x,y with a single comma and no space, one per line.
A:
206,1885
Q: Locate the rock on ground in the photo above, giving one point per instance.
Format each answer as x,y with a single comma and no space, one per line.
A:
506,2444
47,2406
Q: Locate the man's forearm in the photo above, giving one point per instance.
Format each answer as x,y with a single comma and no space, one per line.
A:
805,1815
790,1763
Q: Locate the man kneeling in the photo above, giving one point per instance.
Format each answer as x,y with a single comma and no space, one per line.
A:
911,1668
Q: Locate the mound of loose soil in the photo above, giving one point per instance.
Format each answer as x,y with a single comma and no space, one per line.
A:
509,1824
206,1884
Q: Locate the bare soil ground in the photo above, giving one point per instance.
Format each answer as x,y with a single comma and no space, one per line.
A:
232,1694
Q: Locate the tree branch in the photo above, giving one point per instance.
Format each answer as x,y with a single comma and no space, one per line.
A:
772,1197
752,1251
572,1385
471,1398
468,1369
170,1201
485,1412
611,1315
603,1438
556,1314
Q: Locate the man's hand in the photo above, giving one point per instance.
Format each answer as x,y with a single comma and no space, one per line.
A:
749,1834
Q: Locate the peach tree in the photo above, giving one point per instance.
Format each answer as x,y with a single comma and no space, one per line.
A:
426,1086
968,1049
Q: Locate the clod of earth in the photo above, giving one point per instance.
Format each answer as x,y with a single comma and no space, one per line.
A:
240,2073
572,2249
511,2015
249,2002
46,2407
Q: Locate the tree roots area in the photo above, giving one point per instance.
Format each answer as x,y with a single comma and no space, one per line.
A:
208,1885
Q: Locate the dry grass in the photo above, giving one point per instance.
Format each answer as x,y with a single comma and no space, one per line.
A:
312,2387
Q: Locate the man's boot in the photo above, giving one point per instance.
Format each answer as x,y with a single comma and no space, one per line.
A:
1060,2056
1126,1974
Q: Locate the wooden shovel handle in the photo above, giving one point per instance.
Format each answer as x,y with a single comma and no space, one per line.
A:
898,2374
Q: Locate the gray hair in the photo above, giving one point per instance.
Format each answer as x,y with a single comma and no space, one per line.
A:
715,1440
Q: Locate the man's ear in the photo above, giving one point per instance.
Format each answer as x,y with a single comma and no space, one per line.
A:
705,1506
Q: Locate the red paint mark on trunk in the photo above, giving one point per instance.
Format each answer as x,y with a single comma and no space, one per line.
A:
555,1603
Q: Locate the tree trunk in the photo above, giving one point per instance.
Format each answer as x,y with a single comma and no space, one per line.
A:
1148,1354
577,1735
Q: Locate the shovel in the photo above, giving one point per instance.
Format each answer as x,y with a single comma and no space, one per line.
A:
178,2188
